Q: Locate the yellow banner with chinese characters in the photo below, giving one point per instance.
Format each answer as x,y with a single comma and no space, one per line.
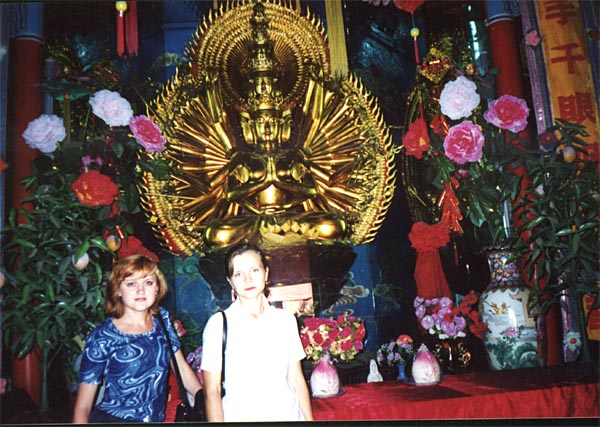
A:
568,67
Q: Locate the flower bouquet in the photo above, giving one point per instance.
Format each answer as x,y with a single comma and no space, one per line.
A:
342,337
442,318
396,352
463,148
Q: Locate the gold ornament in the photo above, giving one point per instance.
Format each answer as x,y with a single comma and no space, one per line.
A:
265,145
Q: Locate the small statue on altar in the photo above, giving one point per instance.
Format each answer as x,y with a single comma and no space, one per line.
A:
374,375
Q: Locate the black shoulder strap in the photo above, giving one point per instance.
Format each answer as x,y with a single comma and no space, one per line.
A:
223,349
182,393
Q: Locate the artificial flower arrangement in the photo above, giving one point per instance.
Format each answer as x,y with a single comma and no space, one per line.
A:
396,352
442,318
468,150
342,337
84,198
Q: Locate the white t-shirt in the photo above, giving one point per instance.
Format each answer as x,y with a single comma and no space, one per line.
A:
257,357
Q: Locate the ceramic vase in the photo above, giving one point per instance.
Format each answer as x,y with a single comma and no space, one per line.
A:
453,355
512,338
425,369
401,372
324,380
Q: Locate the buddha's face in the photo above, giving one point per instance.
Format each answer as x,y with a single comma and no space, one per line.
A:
264,85
266,126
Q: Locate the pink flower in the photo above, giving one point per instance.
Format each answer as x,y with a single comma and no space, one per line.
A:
87,161
532,38
416,140
179,329
508,112
511,332
459,98
111,107
147,134
44,133
464,143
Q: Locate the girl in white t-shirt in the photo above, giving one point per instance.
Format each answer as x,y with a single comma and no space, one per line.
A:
264,379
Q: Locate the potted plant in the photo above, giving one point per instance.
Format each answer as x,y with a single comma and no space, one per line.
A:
560,223
396,354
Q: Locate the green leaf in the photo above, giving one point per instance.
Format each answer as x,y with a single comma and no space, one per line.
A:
58,88
82,250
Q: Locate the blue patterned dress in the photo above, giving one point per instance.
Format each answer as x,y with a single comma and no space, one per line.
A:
134,369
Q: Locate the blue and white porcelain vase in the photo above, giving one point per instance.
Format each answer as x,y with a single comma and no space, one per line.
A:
512,338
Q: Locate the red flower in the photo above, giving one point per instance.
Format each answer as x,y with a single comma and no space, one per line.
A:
470,298
318,338
347,345
333,333
416,140
439,125
94,189
408,5
346,332
361,332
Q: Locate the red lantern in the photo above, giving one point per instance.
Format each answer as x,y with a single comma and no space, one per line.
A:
408,5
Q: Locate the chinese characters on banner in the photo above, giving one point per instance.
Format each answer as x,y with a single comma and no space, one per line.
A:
571,84
568,67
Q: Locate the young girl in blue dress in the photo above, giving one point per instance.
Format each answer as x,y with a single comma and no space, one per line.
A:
128,352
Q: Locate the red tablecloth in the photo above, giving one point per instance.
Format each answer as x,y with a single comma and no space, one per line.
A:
520,393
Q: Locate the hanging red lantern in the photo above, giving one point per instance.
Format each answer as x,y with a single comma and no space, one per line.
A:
127,28
121,7
408,5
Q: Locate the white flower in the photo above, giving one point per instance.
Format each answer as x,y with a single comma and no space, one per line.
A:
111,107
573,340
45,132
459,98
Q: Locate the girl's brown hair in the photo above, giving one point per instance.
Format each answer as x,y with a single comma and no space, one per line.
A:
127,267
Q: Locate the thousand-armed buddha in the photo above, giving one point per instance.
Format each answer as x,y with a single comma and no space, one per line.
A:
265,145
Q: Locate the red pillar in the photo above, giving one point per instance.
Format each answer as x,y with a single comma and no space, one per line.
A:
26,64
509,81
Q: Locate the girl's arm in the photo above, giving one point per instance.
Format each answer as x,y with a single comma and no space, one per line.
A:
189,377
86,394
296,379
212,396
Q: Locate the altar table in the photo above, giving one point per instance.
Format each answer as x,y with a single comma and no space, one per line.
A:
520,393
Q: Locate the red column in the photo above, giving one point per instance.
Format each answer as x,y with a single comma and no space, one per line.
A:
509,81
26,64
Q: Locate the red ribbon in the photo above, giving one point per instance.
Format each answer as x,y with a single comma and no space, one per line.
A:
429,276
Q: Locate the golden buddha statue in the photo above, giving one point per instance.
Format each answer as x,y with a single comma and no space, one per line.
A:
265,146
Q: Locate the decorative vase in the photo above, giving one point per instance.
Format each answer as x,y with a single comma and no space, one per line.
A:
401,372
425,369
324,380
512,338
453,355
